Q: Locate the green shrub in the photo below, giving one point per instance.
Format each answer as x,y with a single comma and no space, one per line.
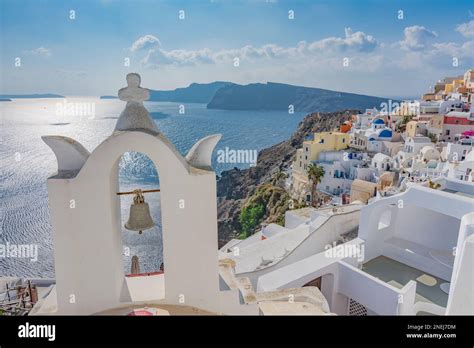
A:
250,218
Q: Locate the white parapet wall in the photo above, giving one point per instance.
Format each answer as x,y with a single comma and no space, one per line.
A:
461,299
342,280
85,213
307,244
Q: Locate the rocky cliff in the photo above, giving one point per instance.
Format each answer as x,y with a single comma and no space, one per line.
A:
278,96
236,187
194,93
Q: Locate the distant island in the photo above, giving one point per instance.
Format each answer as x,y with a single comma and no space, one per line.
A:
264,96
5,99
24,96
279,96
194,93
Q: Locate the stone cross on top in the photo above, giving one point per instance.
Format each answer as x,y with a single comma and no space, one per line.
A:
133,93
134,116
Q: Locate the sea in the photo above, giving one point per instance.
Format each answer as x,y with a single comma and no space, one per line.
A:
26,162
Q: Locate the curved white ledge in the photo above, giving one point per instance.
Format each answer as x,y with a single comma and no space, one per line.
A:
200,155
70,154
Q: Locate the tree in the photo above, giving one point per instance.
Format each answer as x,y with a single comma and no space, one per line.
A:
401,124
433,137
315,175
250,217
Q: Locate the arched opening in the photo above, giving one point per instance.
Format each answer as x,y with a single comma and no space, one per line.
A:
142,252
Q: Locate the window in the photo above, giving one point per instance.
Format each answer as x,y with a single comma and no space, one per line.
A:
322,141
343,140
447,131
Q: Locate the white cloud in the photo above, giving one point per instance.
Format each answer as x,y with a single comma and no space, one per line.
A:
40,51
157,57
437,56
416,38
357,42
466,29
145,42
322,57
353,42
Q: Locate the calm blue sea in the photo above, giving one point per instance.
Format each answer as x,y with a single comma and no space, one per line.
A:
26,162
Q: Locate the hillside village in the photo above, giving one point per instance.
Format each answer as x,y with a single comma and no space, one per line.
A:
379,152
381,211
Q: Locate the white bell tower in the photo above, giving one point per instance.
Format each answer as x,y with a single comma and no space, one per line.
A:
85,215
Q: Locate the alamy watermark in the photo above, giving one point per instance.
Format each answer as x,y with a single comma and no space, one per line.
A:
66,108
392,107
26,251
227,155
37,331
345,250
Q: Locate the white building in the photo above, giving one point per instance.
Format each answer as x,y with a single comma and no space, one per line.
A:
413,255
412,147
450,105
456,123
364,120
381,163
415,144
464,170
341,169
426,164
371,138
307,231
455,152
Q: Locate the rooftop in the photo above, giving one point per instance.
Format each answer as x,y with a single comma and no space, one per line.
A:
398,275
421,140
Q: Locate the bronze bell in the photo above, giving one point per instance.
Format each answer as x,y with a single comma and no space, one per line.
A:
140,218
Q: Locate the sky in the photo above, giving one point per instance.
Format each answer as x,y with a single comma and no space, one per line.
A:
376,47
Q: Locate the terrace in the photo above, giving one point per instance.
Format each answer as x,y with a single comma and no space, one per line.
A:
398,275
